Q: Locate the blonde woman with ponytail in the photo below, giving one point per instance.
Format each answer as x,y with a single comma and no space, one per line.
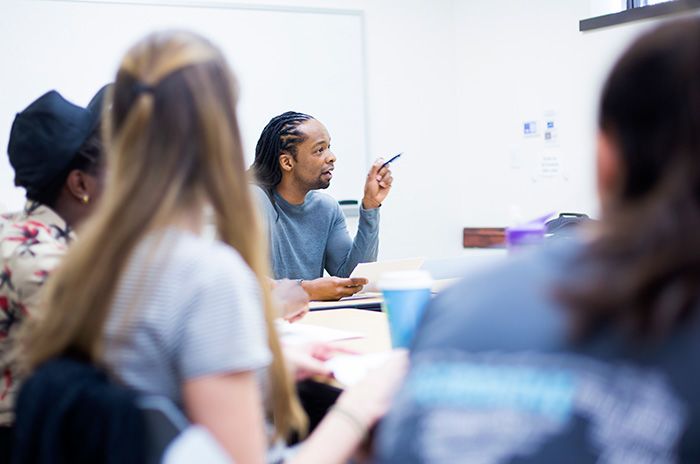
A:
168,311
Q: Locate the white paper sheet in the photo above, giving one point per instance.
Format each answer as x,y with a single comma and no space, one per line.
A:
362,296
373,271
297,333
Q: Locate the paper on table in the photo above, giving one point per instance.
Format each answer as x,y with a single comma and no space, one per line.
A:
373,271
350,369
297,333
373,302
362,296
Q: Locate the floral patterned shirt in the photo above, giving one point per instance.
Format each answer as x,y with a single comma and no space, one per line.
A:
32,243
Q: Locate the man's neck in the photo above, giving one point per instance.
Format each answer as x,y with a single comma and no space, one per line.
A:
291,192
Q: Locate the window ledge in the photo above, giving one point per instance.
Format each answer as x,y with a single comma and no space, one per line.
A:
637,14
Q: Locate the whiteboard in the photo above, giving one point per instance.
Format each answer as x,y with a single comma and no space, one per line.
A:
303,59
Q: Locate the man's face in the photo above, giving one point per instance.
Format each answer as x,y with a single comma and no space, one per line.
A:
314,160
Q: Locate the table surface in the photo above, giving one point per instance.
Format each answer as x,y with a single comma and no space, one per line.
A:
373,324
372,300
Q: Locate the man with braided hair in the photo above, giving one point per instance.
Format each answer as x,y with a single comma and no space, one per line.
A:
306,228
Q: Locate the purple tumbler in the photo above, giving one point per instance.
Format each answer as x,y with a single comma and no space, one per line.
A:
526,236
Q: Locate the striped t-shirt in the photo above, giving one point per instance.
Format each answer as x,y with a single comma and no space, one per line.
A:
185,307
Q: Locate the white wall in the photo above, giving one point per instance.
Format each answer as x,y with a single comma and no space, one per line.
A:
449,83
275,66
411,108
517,61
410,80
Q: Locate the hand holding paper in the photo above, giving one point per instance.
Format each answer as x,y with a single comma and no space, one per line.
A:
332,288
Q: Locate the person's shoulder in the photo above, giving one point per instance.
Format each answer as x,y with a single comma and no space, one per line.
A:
259,194
514,273
262,200
189,263
29,251
257,190
508,306
322,200
476,290
204,254
31,237
8,217
10,226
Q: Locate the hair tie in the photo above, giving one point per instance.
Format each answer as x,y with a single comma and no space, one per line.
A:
140,87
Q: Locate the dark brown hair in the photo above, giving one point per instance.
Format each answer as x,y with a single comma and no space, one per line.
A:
279,135
642,272
88,159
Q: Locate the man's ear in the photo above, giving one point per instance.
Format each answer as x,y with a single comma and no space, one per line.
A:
76,183
286,161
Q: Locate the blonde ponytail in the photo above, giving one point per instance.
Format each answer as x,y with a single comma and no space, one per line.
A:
173,143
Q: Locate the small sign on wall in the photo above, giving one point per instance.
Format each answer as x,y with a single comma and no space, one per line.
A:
539,150
530,129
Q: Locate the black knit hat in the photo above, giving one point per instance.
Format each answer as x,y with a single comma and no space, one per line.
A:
46,136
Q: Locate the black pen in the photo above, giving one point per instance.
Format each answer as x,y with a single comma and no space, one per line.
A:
393,158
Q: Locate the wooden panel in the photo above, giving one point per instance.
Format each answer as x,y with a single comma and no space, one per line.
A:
484,237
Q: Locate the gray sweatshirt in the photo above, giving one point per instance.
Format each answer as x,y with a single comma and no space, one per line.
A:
305,239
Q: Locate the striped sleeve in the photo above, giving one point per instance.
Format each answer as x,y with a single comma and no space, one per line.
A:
224,328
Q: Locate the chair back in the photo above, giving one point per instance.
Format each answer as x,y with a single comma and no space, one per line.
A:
163,422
